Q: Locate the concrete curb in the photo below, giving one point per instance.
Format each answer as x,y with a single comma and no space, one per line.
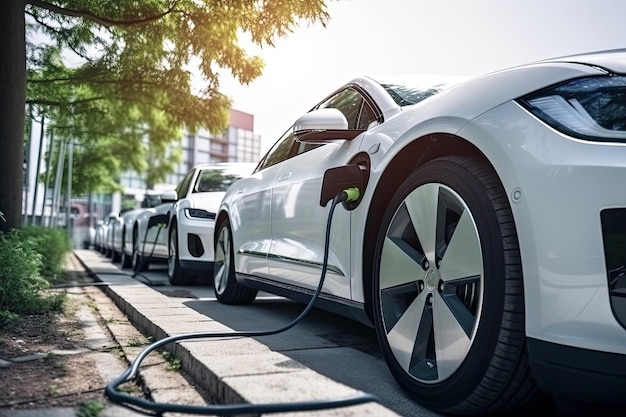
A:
232,370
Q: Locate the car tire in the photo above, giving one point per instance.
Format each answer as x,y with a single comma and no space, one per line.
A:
137,258
126,260
448,292
115,256
175,271
227,289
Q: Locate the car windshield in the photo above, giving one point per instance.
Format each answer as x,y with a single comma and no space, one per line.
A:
411,89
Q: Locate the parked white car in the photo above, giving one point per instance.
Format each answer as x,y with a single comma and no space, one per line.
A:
148,240
121,228
103,237
181,229
486,242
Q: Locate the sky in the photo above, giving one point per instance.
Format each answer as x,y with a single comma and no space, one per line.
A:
373,37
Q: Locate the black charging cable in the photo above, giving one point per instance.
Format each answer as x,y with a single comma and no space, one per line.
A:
154,221
155,408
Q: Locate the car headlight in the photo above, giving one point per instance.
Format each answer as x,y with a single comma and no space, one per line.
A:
592,108
199,214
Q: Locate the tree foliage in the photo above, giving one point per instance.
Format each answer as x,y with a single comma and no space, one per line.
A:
111,73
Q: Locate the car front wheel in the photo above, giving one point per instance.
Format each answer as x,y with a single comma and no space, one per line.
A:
177,275
227,289
447,291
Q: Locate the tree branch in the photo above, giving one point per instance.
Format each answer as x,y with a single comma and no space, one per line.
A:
87,80
58,32
63,103
85,14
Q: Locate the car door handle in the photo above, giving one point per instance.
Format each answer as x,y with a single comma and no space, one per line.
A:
240,191
284,176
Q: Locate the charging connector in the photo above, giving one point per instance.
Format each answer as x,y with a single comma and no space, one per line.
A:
348,195
352,194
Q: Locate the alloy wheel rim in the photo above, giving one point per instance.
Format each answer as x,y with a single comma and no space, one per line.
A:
171,260
431,283
223,261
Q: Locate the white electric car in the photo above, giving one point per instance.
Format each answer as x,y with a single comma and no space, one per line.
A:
487,239
191,219
120,228
148,240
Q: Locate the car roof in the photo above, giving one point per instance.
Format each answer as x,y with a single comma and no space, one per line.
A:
235,167
613,60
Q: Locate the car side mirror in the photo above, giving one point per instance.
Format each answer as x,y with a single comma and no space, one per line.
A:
324,125
169,196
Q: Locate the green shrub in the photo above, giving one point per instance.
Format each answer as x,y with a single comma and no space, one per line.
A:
21,283
7,317
53,245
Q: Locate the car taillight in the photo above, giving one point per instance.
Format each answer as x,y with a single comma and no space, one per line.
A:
591,108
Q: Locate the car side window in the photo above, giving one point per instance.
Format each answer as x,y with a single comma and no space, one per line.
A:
367,117
354,106
281,150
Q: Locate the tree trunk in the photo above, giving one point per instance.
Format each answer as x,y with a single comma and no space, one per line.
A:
12,111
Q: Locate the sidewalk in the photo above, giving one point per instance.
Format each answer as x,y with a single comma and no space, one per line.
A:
109,338
232,370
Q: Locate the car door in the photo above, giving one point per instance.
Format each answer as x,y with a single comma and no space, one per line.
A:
250,210
298,221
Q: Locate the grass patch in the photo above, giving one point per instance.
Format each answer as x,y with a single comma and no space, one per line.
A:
90,408
172,363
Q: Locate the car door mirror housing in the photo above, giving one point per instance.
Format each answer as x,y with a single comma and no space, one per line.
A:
324,125
169,196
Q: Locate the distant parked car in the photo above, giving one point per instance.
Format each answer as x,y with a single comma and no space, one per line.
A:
115,226
97,231
148,240
121,227
180,230
102,234
192,219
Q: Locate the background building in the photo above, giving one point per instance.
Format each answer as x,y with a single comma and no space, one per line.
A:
237,143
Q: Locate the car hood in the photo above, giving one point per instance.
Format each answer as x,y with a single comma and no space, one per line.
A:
207,201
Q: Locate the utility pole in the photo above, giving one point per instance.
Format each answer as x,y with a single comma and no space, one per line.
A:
29,145
32,219
69,225
48,170
57,184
